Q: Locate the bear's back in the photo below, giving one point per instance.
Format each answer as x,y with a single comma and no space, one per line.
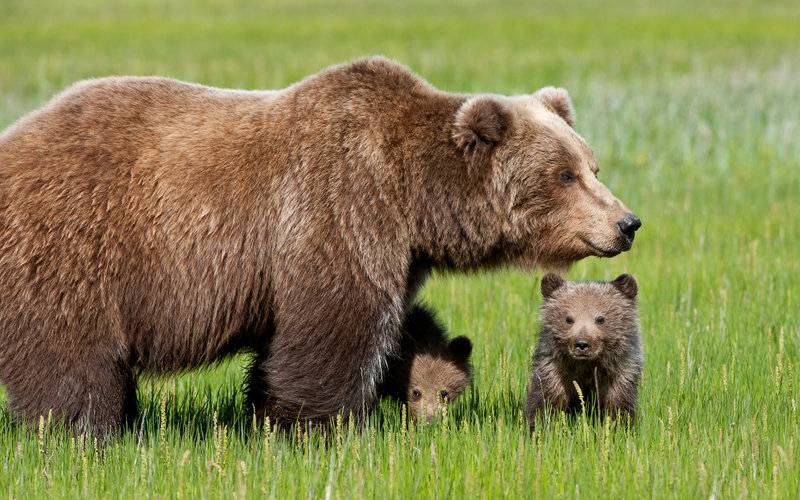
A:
115,118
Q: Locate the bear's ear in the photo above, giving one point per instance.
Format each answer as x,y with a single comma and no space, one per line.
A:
480,123
557,100
550,283
627,285
460,348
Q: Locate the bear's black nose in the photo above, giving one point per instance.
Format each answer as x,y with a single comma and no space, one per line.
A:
628,226
581,345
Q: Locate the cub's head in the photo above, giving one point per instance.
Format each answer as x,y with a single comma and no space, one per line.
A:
589,321
543,178
438,378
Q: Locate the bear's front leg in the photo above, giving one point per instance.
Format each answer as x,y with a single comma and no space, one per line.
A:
326,359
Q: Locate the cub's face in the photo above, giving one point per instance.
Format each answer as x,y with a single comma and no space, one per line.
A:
589,320
437,379
546,179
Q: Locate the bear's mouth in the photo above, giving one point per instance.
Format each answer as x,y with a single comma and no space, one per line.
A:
600,252
584,356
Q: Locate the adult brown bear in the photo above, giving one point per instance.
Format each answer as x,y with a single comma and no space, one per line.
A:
152,225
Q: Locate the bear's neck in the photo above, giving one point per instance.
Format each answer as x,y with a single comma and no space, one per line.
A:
454,221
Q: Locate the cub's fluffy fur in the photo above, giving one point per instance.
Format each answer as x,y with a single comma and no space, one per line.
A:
589,338
430,371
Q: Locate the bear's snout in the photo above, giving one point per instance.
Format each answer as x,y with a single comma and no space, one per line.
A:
581,346
584,347
628,226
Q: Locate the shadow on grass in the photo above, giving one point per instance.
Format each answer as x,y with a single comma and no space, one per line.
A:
192,407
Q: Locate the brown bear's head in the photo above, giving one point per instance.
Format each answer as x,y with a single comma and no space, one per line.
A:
589,321
543,179
438,378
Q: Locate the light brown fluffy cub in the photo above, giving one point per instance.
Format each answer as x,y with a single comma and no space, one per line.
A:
589,353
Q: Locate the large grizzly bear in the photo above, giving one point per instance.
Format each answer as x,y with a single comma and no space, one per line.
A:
152,225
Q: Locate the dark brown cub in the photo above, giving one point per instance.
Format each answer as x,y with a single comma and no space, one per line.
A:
430,371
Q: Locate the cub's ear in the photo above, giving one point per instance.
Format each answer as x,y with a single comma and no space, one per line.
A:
557,100
550,283
460,348
480,123
627,285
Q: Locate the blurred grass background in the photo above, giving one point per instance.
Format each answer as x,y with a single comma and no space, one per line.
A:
693,110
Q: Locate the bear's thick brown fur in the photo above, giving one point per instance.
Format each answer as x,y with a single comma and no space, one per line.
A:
590,337
429,370
152,225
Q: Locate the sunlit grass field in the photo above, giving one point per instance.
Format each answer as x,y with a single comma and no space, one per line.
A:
694,114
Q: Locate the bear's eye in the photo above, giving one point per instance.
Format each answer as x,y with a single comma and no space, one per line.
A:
566,176
570,320
600,320
416,394
444,394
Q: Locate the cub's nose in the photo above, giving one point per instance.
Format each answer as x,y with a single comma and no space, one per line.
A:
581,345
628,226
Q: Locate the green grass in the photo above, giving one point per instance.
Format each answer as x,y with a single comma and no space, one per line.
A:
694,114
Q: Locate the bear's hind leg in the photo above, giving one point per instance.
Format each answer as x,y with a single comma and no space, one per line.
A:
109,401
97,396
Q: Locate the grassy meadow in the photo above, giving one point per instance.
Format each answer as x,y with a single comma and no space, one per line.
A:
693,111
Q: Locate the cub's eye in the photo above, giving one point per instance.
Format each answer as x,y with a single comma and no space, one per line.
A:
443,394
570,320
416,394
600,320
566,176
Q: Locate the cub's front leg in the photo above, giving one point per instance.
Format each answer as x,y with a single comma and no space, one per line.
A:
546,394
620,400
